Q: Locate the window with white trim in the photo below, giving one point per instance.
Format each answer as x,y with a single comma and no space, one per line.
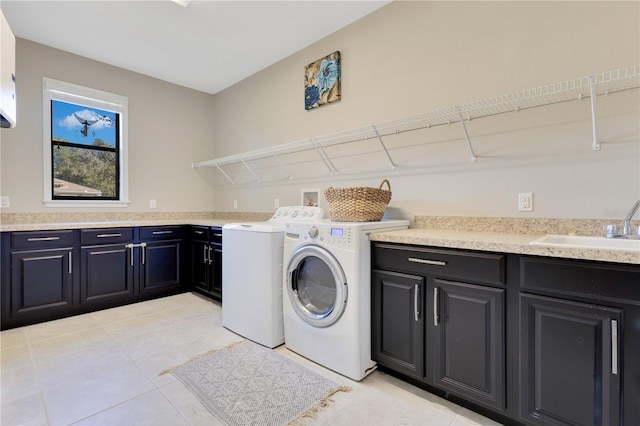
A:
84,146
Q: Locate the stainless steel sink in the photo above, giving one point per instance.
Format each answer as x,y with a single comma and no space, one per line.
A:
574,241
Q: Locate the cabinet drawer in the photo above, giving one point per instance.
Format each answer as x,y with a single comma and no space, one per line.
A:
459,264
160,232
199,233
41,239
216,235
579,278
106,236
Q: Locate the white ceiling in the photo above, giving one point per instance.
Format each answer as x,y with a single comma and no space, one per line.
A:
207,46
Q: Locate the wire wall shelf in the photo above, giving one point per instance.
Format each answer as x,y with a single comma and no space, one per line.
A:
586,87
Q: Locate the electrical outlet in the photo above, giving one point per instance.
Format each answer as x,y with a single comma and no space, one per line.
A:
152,204
525,202
235,204
276,203
4,202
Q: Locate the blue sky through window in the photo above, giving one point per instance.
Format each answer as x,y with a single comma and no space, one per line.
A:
81,125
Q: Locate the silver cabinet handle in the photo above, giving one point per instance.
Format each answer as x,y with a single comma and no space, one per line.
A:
199,232
416,314
427,261
161,232
43,239
435,306
614,347
210,259
143,248
217,235
204,253
108,235
130,247
70,265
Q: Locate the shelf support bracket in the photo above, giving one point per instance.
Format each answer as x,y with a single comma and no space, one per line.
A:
283,167
325,158
393,165
225,175
251,170
594,117
466,135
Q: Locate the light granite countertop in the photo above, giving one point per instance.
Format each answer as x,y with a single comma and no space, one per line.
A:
48,226
501,242
504,235
54,221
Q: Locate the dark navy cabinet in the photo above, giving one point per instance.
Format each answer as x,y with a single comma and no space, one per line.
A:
469,340
571,362
161,259
47,275
40,277
579,342
431,311
526,340
107,268
206,260
398,322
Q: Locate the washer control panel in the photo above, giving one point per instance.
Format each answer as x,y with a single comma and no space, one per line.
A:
298,213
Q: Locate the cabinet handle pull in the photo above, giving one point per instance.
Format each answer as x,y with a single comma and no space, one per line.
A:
204,253
435,306
210,259
427,261
161,232
130,247
108,235
199,232
43,239
144,249
70,265
614,347
416,314
217,235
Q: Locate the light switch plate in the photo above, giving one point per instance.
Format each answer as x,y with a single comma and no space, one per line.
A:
4,202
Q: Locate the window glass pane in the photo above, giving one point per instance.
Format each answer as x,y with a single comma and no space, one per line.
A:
82,125
84,172
316,286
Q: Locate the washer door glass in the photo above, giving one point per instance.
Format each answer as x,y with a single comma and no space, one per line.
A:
317,286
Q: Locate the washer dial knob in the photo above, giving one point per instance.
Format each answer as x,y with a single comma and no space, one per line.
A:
313,232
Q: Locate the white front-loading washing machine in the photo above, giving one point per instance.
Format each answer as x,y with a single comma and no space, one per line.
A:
327,293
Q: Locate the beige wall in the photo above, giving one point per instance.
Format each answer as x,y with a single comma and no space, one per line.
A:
169,128
414,57
404,59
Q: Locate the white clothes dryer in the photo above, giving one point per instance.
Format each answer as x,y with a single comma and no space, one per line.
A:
252,275
327,293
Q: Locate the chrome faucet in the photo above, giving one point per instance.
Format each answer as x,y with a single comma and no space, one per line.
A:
626,228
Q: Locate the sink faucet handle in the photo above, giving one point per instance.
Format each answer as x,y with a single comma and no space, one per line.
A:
611,230
626,229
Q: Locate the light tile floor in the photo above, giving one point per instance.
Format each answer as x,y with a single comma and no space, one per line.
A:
102,368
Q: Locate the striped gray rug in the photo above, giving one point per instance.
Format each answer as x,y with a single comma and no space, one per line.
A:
248,384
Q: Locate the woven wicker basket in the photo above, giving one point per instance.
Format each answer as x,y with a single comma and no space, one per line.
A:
358,204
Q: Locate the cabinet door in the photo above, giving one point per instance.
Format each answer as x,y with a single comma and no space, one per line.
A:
469,340
570,364
216,270
398,322
41,281
200,265
160,266
107,273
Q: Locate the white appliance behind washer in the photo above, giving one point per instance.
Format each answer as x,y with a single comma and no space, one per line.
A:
327,293
252,275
